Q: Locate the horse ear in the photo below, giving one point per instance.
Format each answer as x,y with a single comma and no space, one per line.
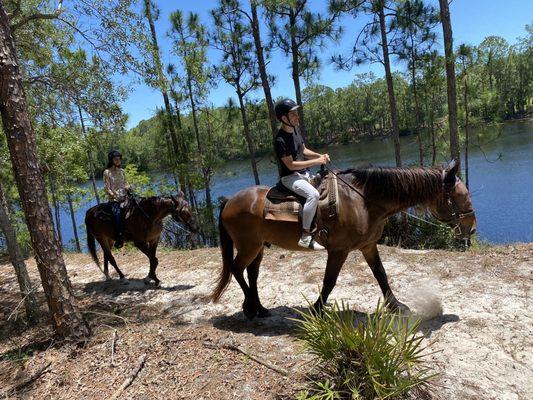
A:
180,194
450,173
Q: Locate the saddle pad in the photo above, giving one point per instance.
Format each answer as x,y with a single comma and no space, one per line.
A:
282,211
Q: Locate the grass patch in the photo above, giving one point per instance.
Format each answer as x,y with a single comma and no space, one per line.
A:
382,357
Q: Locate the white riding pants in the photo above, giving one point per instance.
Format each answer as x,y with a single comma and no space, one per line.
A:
299,184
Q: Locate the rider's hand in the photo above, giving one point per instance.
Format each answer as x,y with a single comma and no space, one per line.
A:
322,159
327,157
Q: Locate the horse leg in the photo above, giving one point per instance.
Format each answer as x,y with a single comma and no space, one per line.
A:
373,260
244,258
253,273
149,251
106,268
334,264
107,254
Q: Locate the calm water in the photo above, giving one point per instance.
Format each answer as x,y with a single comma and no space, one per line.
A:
501,177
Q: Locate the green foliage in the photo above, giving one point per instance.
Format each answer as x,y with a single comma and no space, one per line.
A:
424,233
382,357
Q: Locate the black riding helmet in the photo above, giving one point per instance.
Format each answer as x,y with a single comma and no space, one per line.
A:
284,106
112,154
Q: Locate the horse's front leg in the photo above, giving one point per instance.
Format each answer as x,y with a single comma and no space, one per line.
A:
373,259
334,264
149,250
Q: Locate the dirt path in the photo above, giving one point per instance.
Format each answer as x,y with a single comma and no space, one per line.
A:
483,339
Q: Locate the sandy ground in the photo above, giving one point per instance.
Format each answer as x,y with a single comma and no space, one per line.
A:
483,340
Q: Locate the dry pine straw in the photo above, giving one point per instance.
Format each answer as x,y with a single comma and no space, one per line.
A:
194,349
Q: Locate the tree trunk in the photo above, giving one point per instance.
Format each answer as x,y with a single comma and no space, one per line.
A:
466,130
73,219
262,69
57,214
15,257
90,158
264,76
450,79
296,72
432,127
161,79
390,87
417,113
66,317
247,136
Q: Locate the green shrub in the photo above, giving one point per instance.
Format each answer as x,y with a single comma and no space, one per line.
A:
380,358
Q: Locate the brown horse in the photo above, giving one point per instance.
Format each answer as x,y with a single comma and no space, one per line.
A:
142,227
380,193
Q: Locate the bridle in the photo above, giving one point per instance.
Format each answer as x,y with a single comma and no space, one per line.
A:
180,204
456,214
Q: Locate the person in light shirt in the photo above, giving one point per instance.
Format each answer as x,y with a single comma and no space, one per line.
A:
116,188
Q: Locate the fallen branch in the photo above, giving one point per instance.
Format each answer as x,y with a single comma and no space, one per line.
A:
257,359
131,378
28,381
113,342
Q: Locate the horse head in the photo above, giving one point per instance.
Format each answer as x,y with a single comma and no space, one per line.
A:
454,205
182,212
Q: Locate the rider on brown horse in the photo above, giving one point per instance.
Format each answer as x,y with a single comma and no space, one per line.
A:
295,160
116,188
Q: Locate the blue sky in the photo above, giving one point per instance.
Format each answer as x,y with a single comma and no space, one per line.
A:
472,21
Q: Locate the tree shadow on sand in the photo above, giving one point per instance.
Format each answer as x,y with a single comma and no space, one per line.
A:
117,287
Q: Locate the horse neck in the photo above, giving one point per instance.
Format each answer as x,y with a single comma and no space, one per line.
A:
157,207
396,189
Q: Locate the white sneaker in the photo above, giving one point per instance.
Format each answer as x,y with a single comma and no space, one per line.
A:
308,242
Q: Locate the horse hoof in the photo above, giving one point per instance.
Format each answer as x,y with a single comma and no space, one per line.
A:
147,281
264,313
124,281
249,311
108,278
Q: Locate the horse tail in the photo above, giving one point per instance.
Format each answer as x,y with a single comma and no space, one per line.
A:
226,248
92,246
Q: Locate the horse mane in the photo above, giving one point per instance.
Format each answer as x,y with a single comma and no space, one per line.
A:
405,185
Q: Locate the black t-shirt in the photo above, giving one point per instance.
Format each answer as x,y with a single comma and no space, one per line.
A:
289,144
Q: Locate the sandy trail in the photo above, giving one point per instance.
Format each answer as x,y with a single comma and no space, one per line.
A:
483,339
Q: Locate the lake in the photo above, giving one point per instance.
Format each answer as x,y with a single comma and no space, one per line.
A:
500,173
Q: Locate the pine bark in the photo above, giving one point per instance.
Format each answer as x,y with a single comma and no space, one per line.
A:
66,317
16,259
390,87
450,79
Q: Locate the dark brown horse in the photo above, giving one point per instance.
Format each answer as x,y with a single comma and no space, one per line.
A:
142,227
381,192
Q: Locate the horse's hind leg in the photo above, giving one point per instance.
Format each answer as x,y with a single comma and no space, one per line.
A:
106,268
373,260
243,259
253,273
